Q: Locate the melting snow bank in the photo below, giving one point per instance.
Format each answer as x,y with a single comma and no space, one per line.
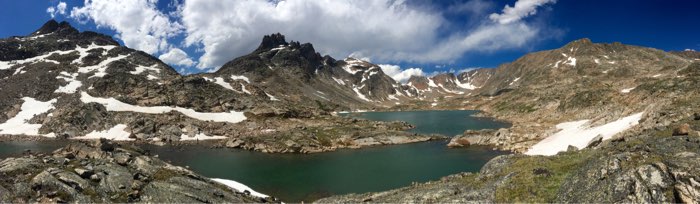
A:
118,133
579,134
239,187
115,105
19,125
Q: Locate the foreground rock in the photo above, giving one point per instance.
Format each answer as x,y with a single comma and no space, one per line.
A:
106,172
653,167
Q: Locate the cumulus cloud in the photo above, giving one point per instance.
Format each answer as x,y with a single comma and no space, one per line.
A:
395,72
383,30
177,57
137,22
226,29
58,9
521,9
387,31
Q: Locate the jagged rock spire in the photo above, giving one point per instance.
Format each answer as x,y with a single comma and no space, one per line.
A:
272,41
53,26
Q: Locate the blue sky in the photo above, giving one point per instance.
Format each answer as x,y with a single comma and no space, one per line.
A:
434,36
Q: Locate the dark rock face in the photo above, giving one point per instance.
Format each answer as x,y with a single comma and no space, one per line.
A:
296,73
87,173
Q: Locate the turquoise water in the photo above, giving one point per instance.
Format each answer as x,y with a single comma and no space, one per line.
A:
297,177
447,122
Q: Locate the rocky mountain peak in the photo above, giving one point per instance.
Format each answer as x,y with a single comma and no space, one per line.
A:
272,41
579,42
52,26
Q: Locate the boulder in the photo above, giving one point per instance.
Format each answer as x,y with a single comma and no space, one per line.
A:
683,129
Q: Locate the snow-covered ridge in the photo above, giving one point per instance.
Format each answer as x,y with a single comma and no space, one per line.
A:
113,104
579,134
19,125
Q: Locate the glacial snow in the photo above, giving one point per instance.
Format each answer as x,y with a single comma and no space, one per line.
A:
19,125
113,104
579,134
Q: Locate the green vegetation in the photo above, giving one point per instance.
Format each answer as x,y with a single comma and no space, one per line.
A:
538,178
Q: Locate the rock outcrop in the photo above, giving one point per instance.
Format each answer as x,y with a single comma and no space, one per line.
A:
103,172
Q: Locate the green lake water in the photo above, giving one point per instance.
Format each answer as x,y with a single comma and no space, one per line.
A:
297,177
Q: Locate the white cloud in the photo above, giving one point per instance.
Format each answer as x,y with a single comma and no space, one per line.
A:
395,72
690,50
58,9
521,9
227,29
383,30
177,57
387,31
137,22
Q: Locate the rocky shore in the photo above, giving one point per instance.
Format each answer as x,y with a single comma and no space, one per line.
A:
650,167
101,171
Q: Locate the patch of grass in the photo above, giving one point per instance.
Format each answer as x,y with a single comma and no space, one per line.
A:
537,179
164,174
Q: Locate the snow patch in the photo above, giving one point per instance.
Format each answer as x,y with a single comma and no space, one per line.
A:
360,95
339,81
19,125
117,133
272,98
571,61
627,90
113,104
656,76
221,82
72,85
140,69
514,80
244,78
245,90
579,134
431,83
101,68
351,63
239,187
200,136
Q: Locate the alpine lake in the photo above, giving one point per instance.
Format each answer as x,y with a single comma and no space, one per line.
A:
307,177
